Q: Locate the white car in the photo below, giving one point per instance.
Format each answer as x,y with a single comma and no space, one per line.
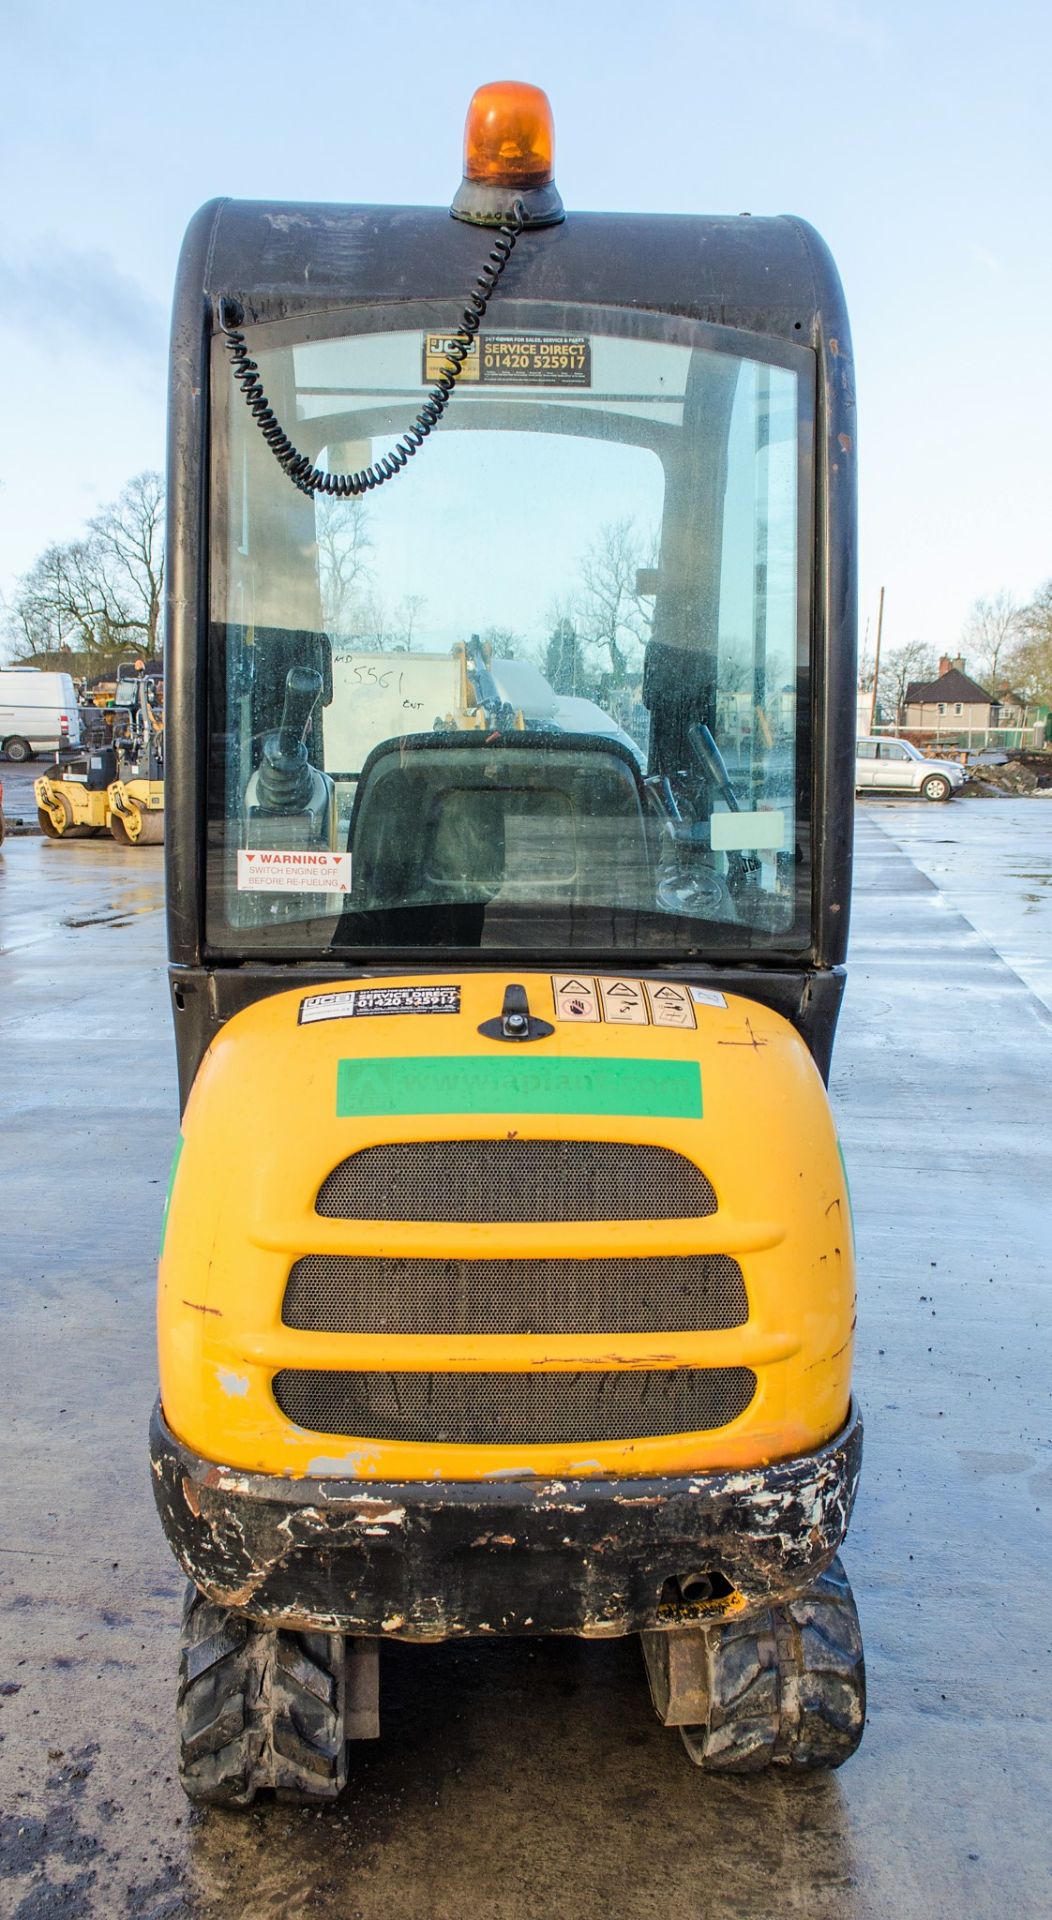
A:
895,766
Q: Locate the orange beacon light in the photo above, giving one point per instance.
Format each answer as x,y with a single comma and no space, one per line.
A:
509,155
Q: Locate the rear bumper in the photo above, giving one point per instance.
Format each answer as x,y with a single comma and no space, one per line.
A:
435,1560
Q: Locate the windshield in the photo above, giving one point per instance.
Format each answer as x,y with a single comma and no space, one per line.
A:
546,689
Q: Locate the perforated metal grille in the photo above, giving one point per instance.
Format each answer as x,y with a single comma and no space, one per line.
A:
516,1180
666,1293
515,1409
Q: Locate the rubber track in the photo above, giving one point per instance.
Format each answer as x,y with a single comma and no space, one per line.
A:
787,1687
258,1708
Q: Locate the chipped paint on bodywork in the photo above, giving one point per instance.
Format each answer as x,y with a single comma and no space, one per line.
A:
355,1464
428,1561
234,1384
380,1522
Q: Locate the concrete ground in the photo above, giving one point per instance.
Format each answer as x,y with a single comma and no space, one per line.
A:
523,1780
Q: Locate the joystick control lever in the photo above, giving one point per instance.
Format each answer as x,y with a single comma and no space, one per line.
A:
285,779
288,801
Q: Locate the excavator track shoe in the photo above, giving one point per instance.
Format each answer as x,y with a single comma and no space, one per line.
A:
258,1708
785,1687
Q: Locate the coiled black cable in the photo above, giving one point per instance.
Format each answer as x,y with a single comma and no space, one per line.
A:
310,479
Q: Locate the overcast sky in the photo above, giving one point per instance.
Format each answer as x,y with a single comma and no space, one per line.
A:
913,133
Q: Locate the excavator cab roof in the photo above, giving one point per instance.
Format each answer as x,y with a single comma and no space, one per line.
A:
616,571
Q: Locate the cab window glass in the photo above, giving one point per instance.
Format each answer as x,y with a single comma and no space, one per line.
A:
546,688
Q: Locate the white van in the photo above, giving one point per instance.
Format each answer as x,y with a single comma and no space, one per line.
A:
38,712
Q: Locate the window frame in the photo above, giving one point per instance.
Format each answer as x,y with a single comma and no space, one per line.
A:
800,939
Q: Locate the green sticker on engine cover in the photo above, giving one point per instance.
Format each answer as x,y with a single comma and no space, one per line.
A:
658,1090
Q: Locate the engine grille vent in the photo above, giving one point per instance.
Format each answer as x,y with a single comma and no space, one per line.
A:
666,1293
512,1180
514,1409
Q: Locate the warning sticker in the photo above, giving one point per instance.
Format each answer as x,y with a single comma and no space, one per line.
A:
362,1002
515,359
575,997
669,1006
623,1003
707,997
630,1003
266,870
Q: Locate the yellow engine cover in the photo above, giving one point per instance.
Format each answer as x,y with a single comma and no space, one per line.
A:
298,1082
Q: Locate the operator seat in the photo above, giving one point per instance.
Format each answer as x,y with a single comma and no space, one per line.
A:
471,818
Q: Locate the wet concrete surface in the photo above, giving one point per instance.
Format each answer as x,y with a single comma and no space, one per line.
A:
525,1779
20,807
991,867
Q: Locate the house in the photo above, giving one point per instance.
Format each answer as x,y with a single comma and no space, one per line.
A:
1015,709
1028,719
949,704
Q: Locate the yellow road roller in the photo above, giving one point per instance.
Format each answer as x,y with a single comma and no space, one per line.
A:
507,1284
114,783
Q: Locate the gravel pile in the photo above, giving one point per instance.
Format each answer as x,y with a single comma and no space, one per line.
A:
1010,778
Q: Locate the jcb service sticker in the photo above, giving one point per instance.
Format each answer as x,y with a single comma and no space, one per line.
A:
515,359
360,1003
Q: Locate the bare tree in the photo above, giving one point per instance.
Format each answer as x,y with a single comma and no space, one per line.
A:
614,617
92,600
368,627
1030,661
126,548
55,613
913,660
734,667
344,544
504,643
988,633
406,615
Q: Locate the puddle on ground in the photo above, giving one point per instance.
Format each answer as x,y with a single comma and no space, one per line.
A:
111,915
99,920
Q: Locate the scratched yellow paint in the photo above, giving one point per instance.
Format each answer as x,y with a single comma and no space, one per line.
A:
261,1133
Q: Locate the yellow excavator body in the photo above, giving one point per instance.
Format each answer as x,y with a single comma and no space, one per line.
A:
259,1270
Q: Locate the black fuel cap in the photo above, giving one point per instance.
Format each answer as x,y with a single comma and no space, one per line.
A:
515,1021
